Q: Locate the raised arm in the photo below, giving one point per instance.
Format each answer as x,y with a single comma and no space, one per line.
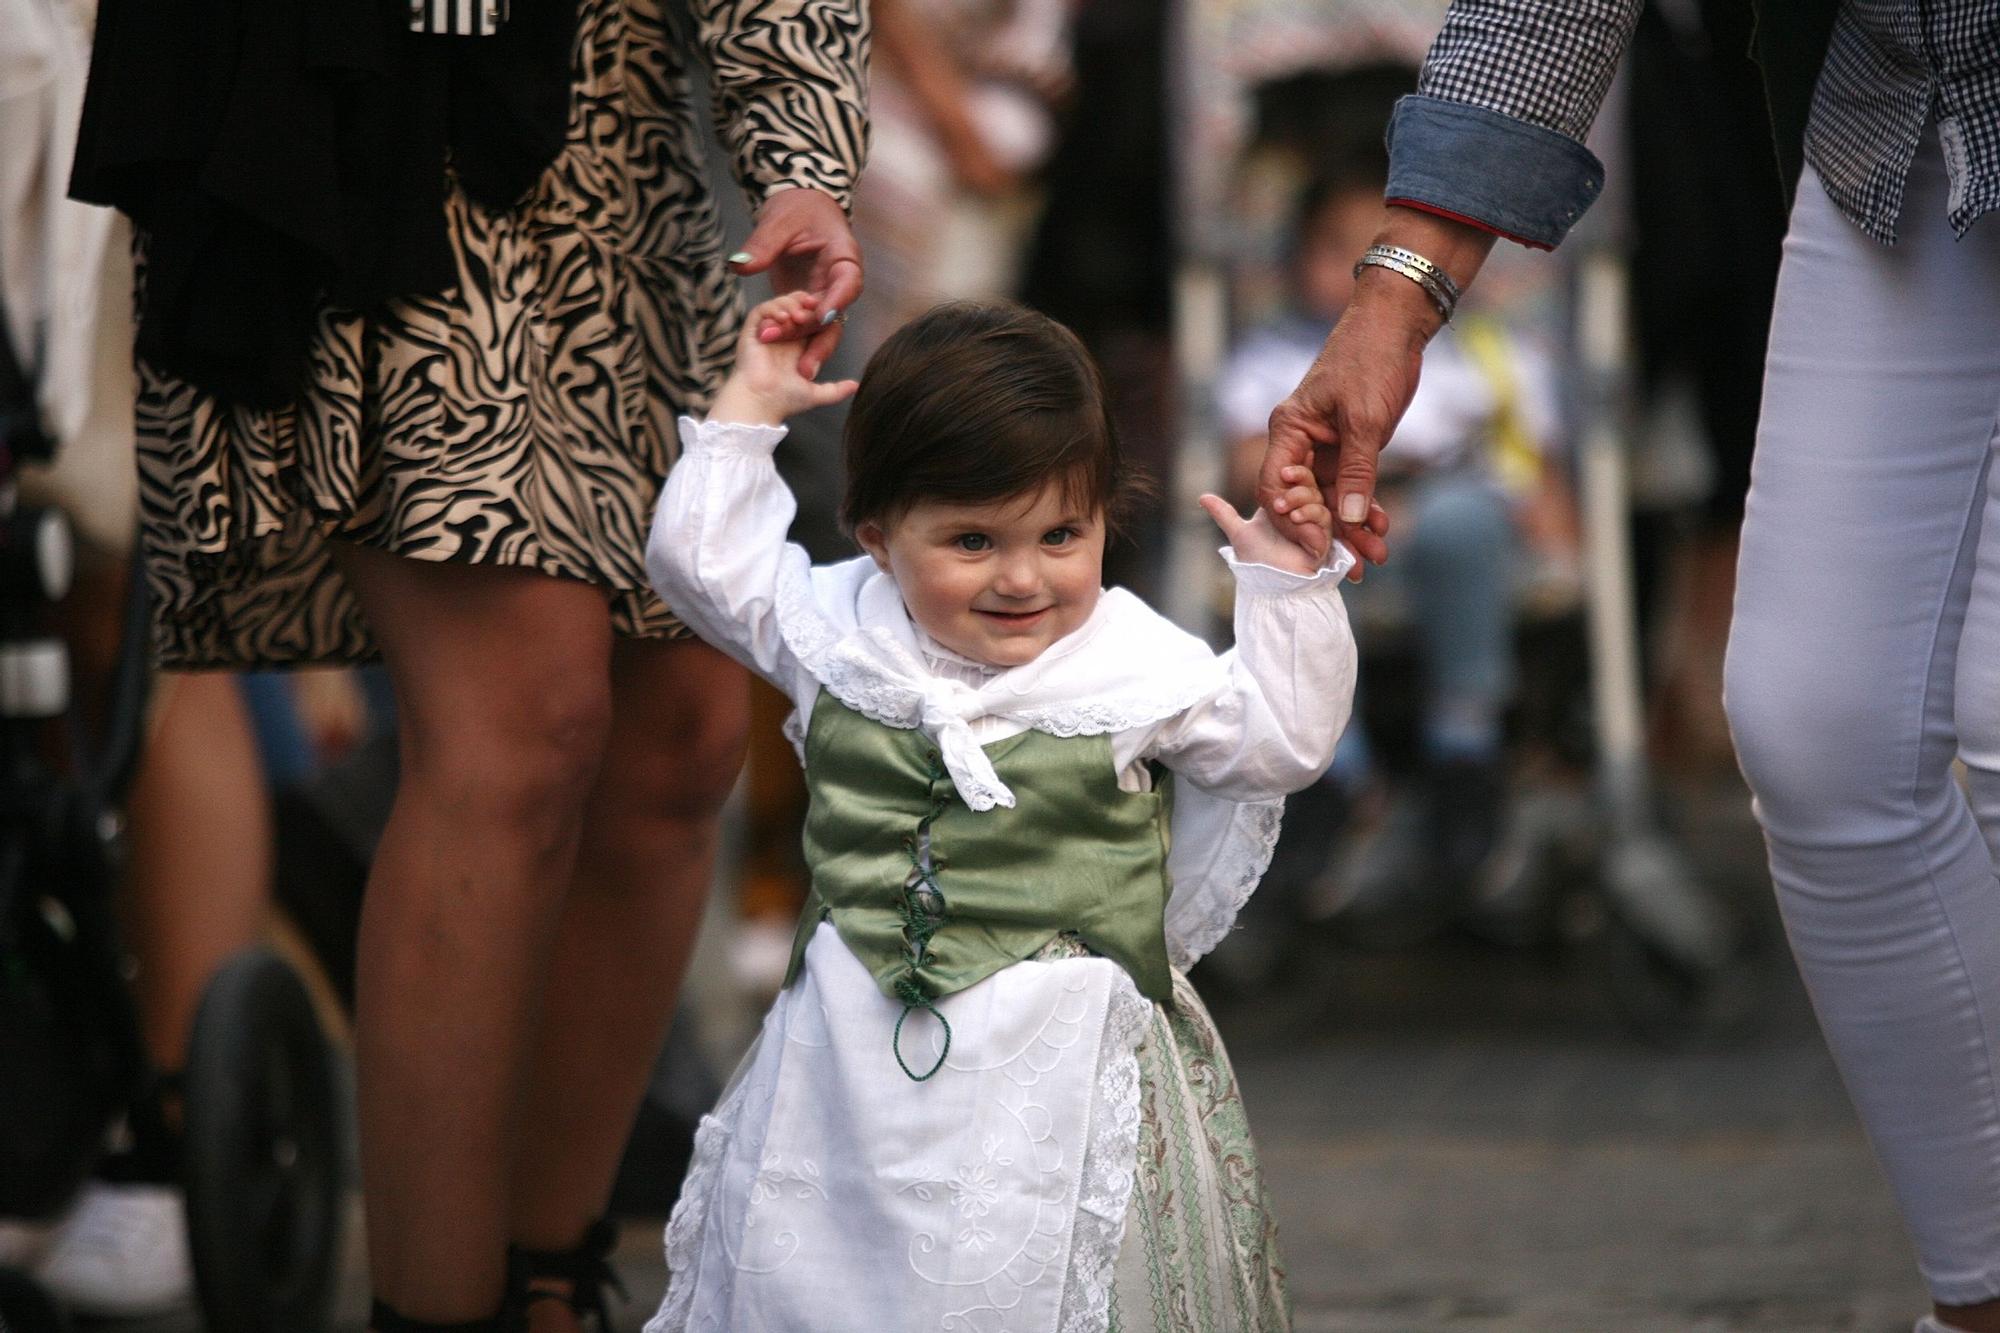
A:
717,554
790,79
1271,728
1489,146
1271,725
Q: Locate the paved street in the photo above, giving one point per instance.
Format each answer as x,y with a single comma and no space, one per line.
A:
1461,1137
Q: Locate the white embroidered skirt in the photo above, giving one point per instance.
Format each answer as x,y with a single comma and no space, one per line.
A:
1080,1163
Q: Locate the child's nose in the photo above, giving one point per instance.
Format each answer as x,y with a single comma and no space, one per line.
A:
1018,577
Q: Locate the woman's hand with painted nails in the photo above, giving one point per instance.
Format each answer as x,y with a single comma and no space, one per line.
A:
803,240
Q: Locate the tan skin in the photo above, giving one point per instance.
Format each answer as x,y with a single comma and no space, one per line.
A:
529,914
1344,410
538,886
198,884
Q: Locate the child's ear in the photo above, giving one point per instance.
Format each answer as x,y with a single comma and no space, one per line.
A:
874,541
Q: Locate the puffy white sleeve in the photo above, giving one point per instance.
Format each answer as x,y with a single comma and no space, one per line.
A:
1270,726
717,554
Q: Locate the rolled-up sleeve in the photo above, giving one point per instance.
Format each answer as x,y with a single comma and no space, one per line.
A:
1494,134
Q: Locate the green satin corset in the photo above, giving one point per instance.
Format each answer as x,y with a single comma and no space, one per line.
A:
1075,853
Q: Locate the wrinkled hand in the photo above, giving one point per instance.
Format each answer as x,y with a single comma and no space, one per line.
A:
1347,406
1263,539
769,382
802,239
1341,415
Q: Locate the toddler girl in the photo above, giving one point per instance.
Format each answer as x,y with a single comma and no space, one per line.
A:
987,1097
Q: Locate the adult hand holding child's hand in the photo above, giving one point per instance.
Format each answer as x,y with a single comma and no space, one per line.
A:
769,382
1263,540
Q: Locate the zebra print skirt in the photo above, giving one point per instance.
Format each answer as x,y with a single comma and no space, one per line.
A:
523,418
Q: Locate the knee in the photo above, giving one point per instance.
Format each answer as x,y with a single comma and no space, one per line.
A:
1817,747
691,763
517,759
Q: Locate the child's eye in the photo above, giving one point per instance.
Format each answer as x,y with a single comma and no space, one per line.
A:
973,541
1059,536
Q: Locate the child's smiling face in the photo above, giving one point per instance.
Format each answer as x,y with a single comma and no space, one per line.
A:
998,582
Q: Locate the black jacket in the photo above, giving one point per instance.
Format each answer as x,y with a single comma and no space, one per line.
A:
277,155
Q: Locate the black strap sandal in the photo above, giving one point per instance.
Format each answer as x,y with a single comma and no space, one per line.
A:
587,1269
383,1319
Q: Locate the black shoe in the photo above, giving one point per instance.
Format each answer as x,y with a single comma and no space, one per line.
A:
384,1319
534,1275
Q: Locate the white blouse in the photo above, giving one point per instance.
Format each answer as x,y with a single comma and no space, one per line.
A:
828,1190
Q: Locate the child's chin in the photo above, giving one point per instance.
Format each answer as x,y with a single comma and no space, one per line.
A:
1009,653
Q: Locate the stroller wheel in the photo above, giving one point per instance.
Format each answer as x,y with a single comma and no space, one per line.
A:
26,1308
264,1152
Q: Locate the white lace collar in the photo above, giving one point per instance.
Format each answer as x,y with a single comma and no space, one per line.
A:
1124,667
945,661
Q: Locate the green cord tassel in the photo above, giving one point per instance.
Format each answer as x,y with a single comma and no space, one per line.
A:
913,997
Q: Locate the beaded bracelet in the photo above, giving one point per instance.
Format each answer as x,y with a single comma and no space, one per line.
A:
1437,284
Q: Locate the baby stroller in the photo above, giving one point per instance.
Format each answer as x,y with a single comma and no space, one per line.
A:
1602,873
264,1123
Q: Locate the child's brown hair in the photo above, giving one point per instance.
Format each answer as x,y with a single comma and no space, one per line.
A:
978,401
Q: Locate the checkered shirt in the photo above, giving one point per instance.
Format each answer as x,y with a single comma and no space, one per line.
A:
1892,66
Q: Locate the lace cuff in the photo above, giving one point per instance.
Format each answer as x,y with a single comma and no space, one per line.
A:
1253,579
729,437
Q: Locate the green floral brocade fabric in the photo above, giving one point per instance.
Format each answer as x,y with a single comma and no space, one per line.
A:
1200,1253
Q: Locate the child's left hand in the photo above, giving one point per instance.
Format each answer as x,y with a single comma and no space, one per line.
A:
1257,539
767,384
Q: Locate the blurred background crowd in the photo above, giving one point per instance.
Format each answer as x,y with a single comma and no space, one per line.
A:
1523,914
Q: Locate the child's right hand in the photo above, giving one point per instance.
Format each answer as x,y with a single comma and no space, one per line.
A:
1262,539
765,386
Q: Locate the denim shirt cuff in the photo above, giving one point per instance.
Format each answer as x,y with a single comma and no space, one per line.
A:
1498,173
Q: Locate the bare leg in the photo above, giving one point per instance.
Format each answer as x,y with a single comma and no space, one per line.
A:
199,876
503,686
680,714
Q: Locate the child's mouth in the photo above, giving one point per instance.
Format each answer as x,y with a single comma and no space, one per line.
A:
1013,619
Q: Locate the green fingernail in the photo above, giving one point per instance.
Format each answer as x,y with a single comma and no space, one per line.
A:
741,257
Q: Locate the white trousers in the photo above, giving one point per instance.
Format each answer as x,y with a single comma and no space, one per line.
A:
1864,658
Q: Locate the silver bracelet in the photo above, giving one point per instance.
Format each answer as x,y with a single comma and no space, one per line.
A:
1437,284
